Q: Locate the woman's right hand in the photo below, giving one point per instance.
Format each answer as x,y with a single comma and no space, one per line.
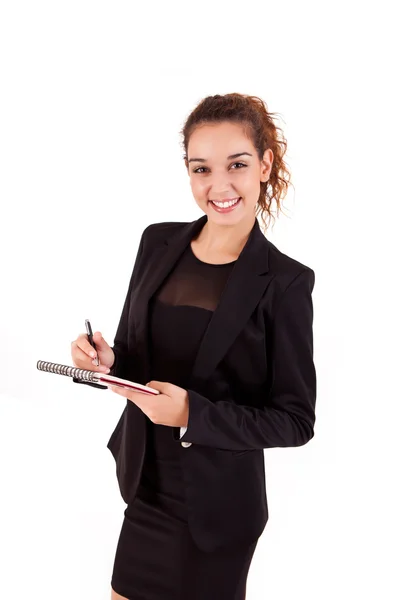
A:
81,353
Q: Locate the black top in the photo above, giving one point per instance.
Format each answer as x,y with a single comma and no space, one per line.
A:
179,314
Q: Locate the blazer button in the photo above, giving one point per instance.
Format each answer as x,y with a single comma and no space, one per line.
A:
186,444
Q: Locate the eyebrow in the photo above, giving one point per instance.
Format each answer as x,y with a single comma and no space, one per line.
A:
228,157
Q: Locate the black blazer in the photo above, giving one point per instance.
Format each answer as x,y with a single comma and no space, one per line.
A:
253,384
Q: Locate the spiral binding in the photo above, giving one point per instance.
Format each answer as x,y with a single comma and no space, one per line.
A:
67,370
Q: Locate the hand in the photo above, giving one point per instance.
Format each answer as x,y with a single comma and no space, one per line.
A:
81,352
170,407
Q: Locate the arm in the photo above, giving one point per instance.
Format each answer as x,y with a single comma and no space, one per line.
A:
288,416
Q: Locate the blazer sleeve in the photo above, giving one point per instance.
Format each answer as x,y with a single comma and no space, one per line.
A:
120,347
288,415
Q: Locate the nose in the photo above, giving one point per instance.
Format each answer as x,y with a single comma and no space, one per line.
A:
220,186
222,192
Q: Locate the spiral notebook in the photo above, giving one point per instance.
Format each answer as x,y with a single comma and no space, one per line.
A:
94,378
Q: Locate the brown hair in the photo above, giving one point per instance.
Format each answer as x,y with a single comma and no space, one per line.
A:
252,113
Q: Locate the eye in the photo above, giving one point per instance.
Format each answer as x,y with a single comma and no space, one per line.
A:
236,163
239,163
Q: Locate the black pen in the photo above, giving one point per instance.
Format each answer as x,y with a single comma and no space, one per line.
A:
90,336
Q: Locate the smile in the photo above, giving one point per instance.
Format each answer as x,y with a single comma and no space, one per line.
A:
225,206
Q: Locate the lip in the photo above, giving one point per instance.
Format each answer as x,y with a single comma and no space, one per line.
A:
226,199
228,208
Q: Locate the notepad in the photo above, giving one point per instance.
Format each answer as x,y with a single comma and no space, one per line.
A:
94,377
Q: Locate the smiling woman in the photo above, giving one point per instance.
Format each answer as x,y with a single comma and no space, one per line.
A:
220,322
261,177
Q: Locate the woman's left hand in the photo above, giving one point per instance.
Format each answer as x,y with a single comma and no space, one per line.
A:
170,407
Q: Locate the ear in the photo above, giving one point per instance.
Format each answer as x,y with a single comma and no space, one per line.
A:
266,165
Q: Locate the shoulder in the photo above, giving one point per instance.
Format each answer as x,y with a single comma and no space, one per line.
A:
156,231
287,270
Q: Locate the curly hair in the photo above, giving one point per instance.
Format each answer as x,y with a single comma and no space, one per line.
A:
258,124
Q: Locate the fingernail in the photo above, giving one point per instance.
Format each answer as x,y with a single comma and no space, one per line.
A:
92,354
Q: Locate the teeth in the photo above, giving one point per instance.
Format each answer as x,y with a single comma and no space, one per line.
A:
225,204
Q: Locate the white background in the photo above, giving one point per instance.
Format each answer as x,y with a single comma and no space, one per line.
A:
93,95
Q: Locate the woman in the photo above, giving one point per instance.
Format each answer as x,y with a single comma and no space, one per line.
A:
220,322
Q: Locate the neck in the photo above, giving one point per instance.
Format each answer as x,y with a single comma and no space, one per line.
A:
229,239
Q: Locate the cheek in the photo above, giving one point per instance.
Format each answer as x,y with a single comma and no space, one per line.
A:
198,188
250,181
250,188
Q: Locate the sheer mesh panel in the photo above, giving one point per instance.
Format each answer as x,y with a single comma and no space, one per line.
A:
195,283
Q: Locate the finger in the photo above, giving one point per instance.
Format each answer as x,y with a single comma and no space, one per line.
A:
114,388
79,354
100,342
119,390
136,397
80,360
82,342
161,386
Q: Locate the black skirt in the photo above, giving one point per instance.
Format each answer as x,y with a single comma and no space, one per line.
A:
156,557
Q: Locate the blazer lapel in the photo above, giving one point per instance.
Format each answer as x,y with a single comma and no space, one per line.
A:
244,288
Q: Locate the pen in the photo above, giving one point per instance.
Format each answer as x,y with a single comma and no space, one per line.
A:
90,336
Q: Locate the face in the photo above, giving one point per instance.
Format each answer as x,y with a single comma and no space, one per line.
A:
223,166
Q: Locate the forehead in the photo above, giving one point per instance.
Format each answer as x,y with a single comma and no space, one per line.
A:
213,140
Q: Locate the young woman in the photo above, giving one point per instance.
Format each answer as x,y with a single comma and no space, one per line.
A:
220,322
